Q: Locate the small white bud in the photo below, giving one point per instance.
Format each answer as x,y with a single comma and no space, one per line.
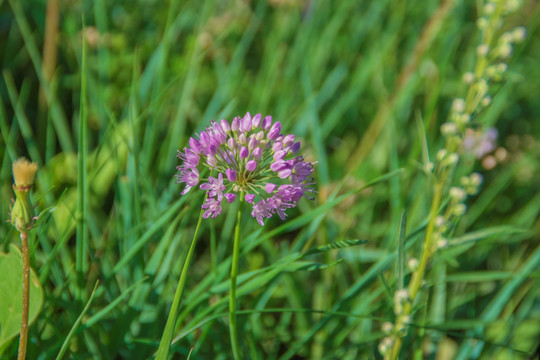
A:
519,34
459,209
486,100
476,179
457,193
482,85
501,154
505,51
387,327
502,67
465,118
489,162
482,50
448,129
507,37
385,345
489,8
413,264
452,159
468,78
440,221
442,243
458,105
441,154
482,23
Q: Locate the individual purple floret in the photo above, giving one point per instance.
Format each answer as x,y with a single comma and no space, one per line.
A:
480,143
250,156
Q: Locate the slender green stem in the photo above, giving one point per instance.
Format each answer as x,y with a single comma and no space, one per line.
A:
166,338
234,273
418,275
25,296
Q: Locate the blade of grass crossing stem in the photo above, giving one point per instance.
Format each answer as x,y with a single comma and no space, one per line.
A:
82,188
106,310
65,345
400,250
166,338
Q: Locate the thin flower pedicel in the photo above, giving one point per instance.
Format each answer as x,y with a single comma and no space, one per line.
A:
250,156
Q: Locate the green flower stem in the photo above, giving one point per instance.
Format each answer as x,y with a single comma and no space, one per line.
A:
418,275
166,338
25,296
234,272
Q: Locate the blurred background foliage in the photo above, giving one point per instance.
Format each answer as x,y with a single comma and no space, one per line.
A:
355,81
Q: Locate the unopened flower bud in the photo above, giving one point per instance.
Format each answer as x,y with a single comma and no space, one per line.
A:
505,51
448,129
442,243
486,100
482,23
489,8
457,193
413,264
459,209
458,105
519,34
482,50
387,327
468,78
441,154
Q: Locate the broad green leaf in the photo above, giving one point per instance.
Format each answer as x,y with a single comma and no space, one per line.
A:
11,295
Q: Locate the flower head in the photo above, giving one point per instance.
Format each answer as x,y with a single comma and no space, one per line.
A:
250,156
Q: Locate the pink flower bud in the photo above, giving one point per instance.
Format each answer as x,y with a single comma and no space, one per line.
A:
257,153
251,165
231,175
288,140
274,131
269,187
225,125
235,124
256,121
266,123
244,152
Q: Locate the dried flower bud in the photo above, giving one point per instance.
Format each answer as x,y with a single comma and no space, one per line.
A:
22,212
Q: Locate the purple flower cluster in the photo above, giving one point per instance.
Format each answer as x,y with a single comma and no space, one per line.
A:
254,159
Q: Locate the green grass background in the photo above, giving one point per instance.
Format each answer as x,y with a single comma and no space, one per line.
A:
155,72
